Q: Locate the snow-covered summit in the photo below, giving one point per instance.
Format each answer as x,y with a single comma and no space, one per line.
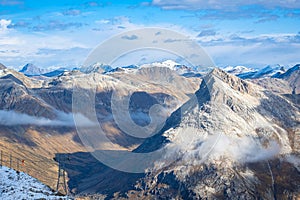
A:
96,67
179,68
270,71
238,69
273,71
32,70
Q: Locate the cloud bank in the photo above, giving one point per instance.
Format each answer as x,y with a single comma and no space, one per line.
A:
194,150
12,118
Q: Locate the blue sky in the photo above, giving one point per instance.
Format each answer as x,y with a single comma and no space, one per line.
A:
62,33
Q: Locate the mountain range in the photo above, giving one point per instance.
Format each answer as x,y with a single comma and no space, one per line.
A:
229,134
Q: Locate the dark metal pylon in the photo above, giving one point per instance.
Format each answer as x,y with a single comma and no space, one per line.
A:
61,179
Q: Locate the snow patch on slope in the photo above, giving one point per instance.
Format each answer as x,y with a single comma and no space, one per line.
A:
22,186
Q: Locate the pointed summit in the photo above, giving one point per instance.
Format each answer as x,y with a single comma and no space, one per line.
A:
2,66
226,125
225,103
32,70
219,75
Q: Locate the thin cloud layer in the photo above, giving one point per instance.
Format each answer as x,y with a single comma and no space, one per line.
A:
223,4
12,118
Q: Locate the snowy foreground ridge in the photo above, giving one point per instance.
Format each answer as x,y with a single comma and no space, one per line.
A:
23,187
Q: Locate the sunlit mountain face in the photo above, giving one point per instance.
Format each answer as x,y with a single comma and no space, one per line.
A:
149,99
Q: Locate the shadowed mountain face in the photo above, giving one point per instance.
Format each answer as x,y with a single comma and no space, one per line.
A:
225,138
87,175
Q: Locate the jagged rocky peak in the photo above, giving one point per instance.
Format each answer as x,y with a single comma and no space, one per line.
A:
222,147
233,81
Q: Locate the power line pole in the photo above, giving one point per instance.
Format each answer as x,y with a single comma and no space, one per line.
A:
10,161
61,178
1,157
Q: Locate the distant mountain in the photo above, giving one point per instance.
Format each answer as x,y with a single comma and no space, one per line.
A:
270,71
97,67
180,69
247,73
131,67
238,70
289,72
292,76
278,79
32,70
54,73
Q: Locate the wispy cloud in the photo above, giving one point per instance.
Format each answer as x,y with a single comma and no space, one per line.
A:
254,51
72,12
268,18
130,37
12,118
209,32
11,2
19,24
222,4
57,25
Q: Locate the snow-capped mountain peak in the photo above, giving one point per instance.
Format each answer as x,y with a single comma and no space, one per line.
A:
179,68
32,70
239,69
96,67
269,71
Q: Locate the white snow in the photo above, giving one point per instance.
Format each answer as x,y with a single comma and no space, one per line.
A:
238,69
22,186
180,69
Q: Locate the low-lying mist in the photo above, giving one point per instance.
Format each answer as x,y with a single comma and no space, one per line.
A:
13,118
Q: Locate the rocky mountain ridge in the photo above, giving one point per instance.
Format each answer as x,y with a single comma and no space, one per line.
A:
226,138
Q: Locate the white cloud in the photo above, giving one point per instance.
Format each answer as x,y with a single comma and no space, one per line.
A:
103,21
222,4
253,51
12,118
20,48
4,23
193,150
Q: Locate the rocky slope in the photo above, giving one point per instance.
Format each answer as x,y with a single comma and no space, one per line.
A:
36,116
231,139
234,141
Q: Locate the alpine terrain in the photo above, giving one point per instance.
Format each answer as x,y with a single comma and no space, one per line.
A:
229,134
